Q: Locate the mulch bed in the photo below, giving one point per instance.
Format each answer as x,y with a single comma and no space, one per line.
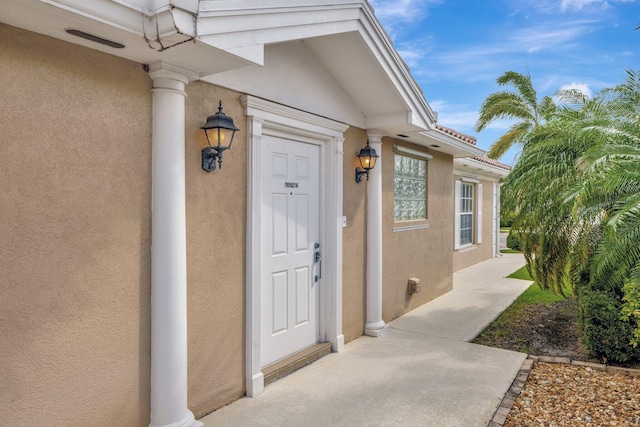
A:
568,395
562,394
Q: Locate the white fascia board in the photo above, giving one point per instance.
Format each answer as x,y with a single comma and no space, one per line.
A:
190,6
460,148
403,121
148,6
474,168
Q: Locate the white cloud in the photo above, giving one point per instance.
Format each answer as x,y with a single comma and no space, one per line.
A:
577,4
455,116
567,6
486,61
582,87
550,35
580,4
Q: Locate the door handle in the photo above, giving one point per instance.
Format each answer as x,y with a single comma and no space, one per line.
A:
317,259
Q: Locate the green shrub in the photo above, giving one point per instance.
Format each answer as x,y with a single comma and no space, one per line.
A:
605,335
513,241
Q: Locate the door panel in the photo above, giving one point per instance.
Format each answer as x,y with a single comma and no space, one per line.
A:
289,224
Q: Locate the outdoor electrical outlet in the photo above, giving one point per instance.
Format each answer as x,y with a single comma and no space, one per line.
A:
414,286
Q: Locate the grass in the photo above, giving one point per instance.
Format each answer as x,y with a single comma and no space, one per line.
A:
522,274
534,293
517,312
510,251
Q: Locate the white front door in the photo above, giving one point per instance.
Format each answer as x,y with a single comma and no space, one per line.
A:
290,232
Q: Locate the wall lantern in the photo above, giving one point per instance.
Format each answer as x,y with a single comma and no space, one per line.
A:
367,158
219,131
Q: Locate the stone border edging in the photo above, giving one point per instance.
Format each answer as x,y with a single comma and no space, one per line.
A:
500,416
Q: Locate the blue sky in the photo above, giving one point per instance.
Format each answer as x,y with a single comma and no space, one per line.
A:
457,48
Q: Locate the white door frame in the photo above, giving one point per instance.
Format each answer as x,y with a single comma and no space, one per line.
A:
268,118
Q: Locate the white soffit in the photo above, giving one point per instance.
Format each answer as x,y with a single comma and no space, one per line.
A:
479,169
125,23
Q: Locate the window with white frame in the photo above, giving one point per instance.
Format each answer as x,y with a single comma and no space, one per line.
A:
468,212
410,188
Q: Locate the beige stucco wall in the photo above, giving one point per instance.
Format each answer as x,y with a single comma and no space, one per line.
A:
470,255
423,253
75,238
216,247
75,177
354,240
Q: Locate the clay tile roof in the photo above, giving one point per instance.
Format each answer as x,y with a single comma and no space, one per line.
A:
461,136
492,162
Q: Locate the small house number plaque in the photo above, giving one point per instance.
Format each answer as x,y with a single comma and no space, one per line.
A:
290,185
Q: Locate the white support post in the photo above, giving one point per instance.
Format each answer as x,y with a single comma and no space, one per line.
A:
374,325
169,252
334,240
254,377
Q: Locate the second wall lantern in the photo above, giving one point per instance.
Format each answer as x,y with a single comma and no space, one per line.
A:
367,160
219,130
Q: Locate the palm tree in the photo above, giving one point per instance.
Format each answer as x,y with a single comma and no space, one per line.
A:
611,190
521,105
575,193
536,192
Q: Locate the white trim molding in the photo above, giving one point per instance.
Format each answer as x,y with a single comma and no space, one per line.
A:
456,214
465,179
478,201
268,118
411,152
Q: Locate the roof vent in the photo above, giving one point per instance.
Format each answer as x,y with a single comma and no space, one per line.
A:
93,38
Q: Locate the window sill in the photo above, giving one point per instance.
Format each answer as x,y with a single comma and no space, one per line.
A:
410,225
466,248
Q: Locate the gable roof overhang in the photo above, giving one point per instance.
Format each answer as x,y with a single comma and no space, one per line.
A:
207,37
481,167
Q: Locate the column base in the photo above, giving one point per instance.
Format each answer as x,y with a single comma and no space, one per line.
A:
255,385
375,329
188,421
337,346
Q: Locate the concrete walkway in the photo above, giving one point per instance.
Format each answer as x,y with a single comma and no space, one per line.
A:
423,372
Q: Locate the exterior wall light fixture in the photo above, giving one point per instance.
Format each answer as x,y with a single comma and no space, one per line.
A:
219,130
367,160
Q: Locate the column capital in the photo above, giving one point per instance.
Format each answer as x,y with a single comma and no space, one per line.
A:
374,136
168,76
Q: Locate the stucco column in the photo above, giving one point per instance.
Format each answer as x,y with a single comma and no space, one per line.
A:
375,326
169,252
